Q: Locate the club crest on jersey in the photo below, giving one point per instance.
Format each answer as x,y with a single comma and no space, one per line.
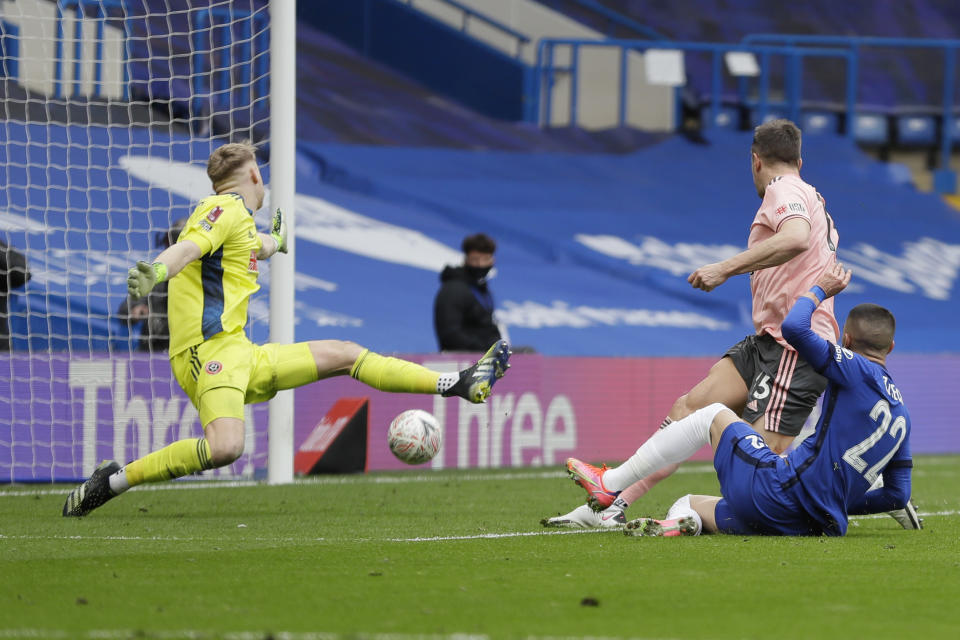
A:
253,267
213,215
213,367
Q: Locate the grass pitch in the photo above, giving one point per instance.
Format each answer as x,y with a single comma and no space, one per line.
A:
456,555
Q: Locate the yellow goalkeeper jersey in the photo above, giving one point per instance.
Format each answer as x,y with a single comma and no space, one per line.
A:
210,295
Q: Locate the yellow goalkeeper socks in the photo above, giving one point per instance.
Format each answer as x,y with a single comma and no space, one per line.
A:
393,374
173,461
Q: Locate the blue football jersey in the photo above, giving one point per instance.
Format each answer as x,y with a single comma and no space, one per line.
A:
864,428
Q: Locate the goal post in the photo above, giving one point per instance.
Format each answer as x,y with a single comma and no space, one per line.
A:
110,109
283,189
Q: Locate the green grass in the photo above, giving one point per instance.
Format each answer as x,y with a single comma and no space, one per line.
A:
336,557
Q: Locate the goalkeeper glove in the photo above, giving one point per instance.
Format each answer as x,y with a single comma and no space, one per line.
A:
278,231
144,277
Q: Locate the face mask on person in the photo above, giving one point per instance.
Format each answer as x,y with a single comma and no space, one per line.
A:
477,274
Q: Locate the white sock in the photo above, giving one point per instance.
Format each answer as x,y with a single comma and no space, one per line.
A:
118,481
674,443
447,380
682,509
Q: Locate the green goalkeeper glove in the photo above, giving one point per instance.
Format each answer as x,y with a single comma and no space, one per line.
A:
144,277
278,231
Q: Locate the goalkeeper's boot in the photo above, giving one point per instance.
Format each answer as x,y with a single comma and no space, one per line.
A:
477,381
583,517
667,528
92,493
908,516
591,479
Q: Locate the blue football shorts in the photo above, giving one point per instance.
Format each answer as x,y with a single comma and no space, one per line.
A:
750,477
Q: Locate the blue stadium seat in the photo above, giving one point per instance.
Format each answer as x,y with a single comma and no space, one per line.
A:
727,118
898,174
772,114
915,130
955,130
870,128
818,122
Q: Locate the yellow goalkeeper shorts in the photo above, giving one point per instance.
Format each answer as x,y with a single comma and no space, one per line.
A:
230,361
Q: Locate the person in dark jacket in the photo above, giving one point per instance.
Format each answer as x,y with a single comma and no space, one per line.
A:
150,312
463,309
13,274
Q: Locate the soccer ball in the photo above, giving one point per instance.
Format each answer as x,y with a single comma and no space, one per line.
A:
414,436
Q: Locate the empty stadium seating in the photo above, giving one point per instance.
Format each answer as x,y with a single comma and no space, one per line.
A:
594,248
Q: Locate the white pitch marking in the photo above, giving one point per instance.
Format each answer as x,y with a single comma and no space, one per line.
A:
523,534
478,536
190,483
926,514
494,536
192,634
290,540
336,480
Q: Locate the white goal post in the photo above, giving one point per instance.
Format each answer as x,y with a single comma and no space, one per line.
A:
110,109
283,189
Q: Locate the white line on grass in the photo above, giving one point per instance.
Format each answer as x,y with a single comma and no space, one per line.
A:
927,514
292,540
191,634
523,534
434,476
495,536
341,480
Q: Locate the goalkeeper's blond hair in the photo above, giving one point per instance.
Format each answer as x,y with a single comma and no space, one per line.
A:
227,160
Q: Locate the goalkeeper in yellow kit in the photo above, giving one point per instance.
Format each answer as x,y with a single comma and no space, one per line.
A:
212,269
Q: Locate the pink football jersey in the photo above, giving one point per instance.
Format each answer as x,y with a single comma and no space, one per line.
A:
775,289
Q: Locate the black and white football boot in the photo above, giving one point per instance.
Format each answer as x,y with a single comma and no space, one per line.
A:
477,381
92,493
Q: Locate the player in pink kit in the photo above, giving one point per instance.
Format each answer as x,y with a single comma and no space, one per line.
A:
792,242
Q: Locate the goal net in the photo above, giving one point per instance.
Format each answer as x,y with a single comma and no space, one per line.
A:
110,110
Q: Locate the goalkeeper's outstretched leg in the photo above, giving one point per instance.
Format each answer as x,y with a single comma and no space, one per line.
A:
473,383
306,362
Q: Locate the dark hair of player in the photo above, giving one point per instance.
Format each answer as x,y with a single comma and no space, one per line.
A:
479,242
226,160
777,140
871,328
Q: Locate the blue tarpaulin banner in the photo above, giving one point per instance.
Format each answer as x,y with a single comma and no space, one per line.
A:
593,249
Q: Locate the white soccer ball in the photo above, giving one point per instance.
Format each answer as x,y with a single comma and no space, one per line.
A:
414,436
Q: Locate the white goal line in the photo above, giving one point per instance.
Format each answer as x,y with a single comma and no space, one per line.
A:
189,483
192,634
418,539
441,476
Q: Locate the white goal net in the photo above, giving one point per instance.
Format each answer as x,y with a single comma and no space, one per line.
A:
110,109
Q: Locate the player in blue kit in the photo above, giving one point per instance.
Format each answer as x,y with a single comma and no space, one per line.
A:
863,433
